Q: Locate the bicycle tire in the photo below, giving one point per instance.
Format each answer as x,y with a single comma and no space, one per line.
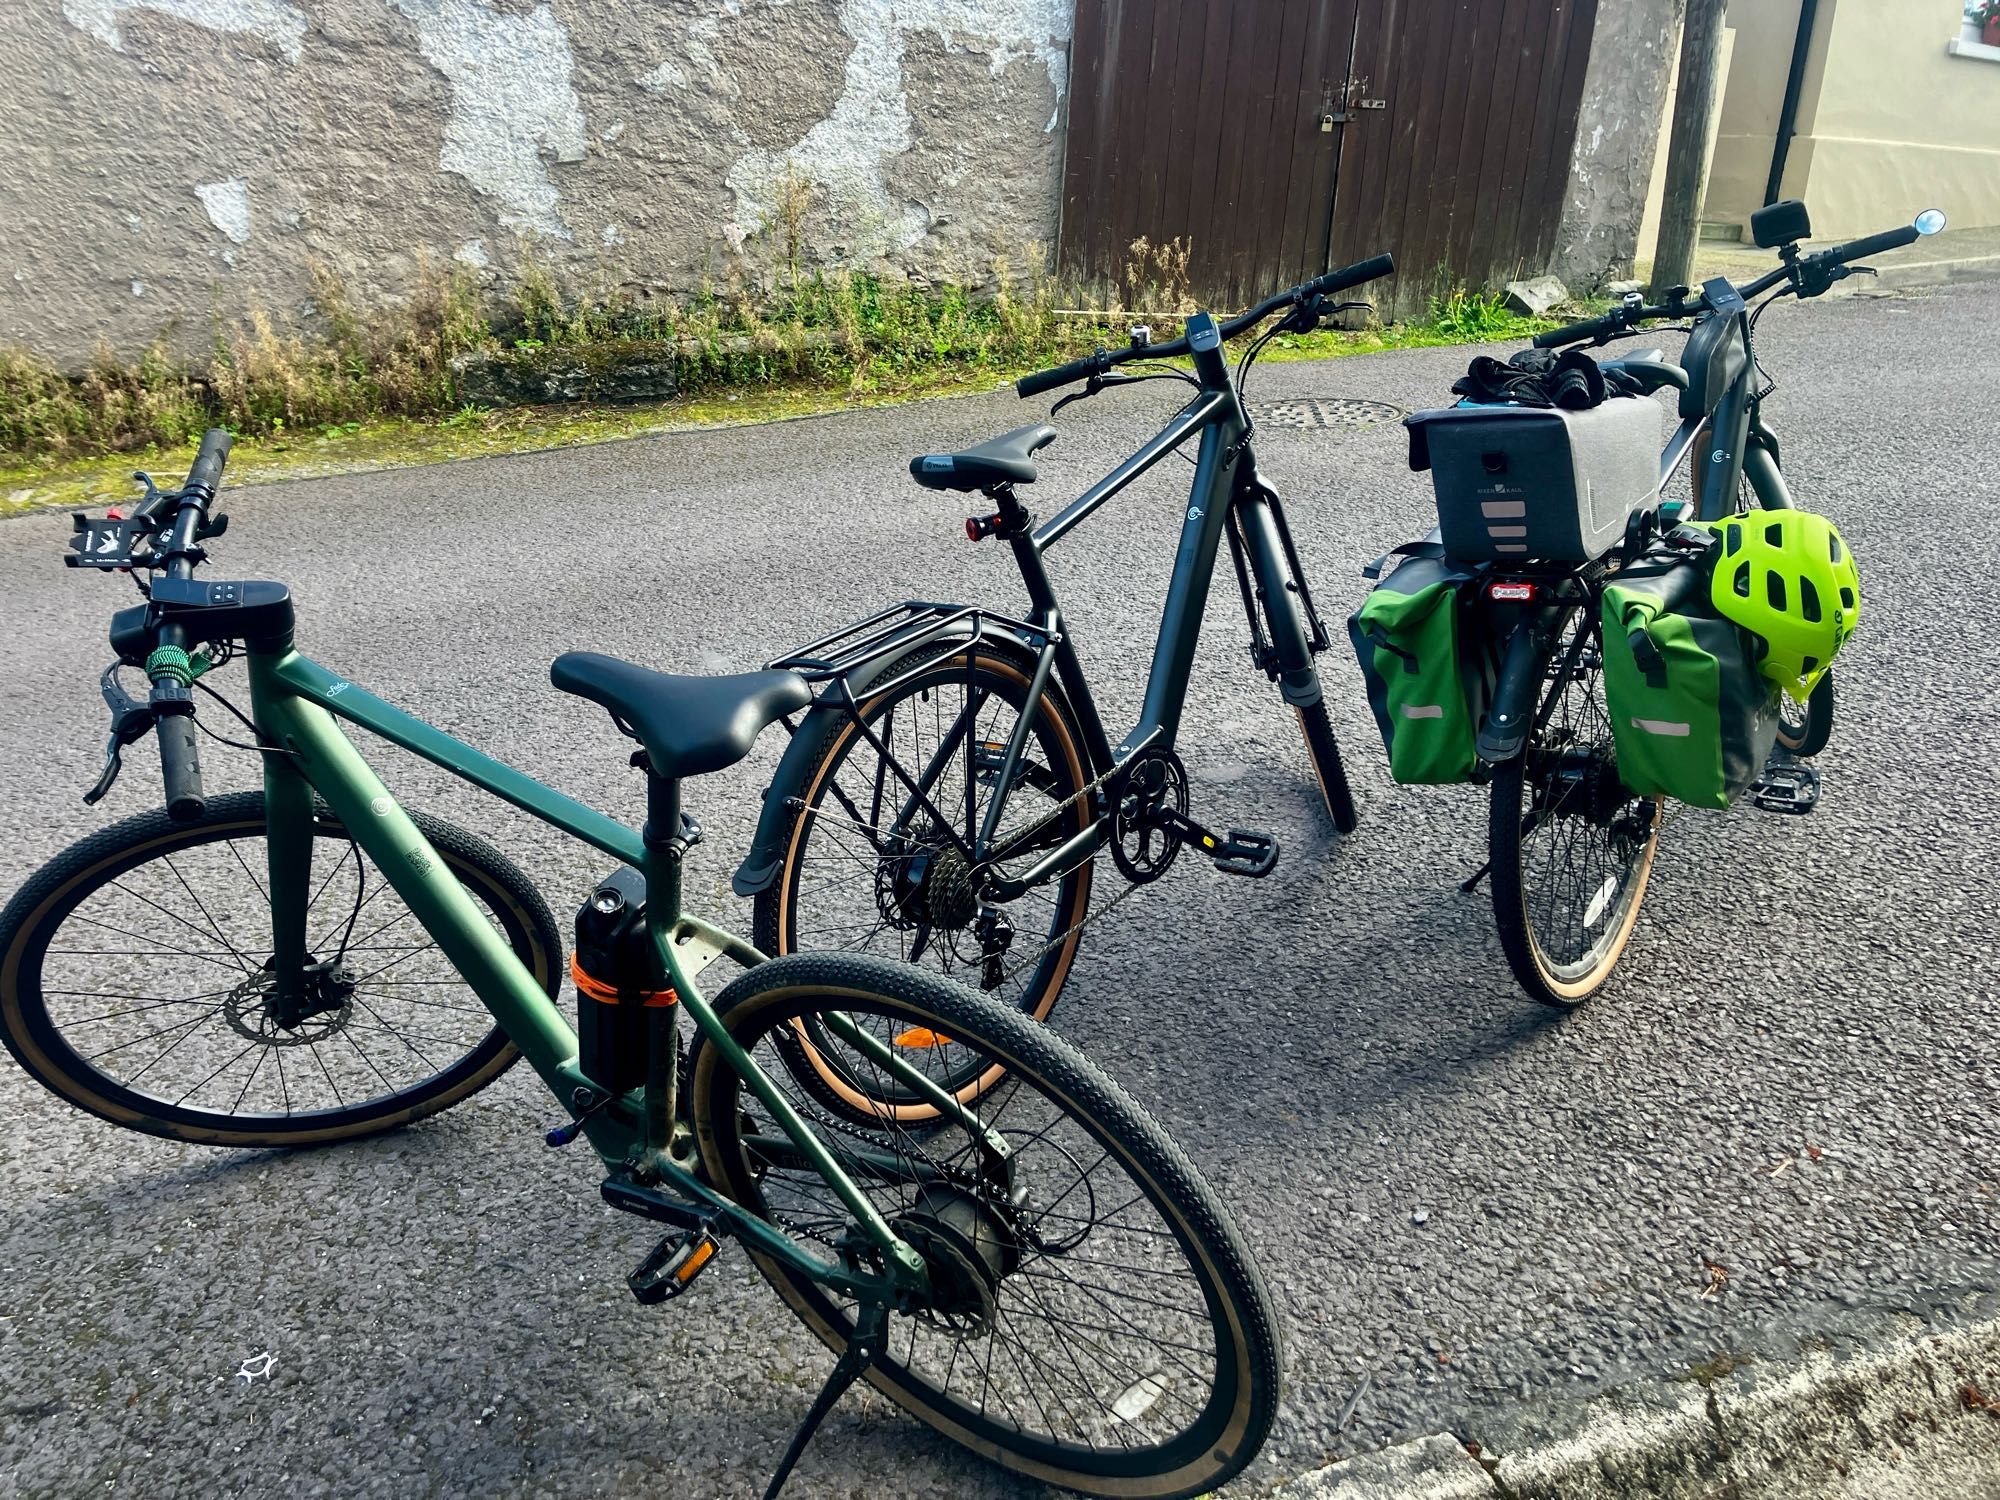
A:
46,1045
1816,721
1521,798
1227,1428
1328,768
1059,741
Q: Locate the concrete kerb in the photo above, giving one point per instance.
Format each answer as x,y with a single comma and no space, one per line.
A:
1919,1418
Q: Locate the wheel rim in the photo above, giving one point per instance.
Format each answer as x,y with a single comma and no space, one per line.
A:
147,982
1094,1348
848,882
1586,842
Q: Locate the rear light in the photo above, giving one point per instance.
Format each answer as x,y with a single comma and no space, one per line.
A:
1512,593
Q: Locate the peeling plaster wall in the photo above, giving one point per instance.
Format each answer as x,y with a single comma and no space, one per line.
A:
168,161
1632,63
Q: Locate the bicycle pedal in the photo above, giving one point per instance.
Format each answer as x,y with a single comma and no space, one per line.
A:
1243,851
1786,787
672,1267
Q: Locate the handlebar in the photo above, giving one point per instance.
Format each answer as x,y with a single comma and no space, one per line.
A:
1874,244
1103,359
171,700
1809,274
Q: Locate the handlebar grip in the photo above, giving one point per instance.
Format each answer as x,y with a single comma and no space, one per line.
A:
1874,244
208,462
1048,380
180,767
1348,276
1573,333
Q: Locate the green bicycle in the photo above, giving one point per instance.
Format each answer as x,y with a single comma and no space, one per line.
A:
1037,1271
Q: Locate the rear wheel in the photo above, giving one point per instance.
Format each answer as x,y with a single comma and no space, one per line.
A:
868,868
1571,848
135,971
1094,1320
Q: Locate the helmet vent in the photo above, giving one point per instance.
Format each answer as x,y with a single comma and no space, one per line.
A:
1733,541
1774,535
1809,600
1740,583
1807,665
1774,590
1846,598
1832,546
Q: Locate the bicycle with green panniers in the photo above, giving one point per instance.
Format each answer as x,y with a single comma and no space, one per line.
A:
1588,643
1035,1270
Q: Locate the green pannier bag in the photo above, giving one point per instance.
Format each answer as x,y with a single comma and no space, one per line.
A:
1691,715
1426,701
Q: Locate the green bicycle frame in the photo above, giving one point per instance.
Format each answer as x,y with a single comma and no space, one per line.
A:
296,704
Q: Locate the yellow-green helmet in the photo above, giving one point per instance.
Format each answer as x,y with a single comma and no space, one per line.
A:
1787,577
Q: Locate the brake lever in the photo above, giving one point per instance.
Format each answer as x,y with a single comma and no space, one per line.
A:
130,721
1091,387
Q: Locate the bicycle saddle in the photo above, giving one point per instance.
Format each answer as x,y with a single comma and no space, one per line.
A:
1003,460
688,725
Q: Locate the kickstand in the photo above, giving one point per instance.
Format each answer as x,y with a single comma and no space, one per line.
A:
871,1332
1471,882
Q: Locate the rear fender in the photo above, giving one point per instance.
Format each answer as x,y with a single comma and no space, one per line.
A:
1512,713
759,870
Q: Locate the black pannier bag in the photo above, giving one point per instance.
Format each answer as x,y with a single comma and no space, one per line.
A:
1527,483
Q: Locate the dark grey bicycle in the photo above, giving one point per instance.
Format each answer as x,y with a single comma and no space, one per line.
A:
1571,849
944,799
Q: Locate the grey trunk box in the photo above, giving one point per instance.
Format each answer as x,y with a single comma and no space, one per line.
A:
1527,482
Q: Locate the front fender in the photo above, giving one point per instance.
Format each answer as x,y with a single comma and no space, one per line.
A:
759,870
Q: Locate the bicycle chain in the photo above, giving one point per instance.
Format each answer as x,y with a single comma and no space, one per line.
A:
1061,808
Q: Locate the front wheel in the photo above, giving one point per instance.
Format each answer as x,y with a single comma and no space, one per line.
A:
1093,1321
1571,847
135,980
1804,728
1327,768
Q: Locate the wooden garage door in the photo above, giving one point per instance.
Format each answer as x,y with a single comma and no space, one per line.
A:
1275,138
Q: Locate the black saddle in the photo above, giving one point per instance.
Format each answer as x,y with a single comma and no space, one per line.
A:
688,725
1004,460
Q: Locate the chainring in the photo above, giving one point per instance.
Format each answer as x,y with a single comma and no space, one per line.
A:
1143,845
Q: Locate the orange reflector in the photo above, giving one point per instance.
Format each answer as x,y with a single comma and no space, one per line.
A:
918,1038
702,1253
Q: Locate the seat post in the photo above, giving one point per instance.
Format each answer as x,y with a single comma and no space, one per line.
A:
664,847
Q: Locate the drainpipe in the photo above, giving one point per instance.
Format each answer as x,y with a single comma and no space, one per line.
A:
1788,117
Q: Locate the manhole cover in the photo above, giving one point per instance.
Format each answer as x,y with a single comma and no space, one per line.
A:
1323,413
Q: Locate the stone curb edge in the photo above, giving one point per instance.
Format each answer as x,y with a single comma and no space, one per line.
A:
1828,1424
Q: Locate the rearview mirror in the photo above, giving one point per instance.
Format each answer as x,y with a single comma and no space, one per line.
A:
1782,223
1930,221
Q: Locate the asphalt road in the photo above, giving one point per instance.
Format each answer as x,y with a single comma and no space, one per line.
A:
1456,1194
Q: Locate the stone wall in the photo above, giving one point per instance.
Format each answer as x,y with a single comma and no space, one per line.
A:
1633,57
169,161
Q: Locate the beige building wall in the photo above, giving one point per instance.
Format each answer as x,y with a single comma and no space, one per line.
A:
1891,118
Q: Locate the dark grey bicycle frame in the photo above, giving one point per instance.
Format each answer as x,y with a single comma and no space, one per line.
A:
1739,446
1224,478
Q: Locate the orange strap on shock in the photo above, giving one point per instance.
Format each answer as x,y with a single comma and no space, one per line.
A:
593,988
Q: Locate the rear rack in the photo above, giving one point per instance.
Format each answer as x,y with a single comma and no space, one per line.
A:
897,629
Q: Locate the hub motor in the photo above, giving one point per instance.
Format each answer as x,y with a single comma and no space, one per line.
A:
969,1247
